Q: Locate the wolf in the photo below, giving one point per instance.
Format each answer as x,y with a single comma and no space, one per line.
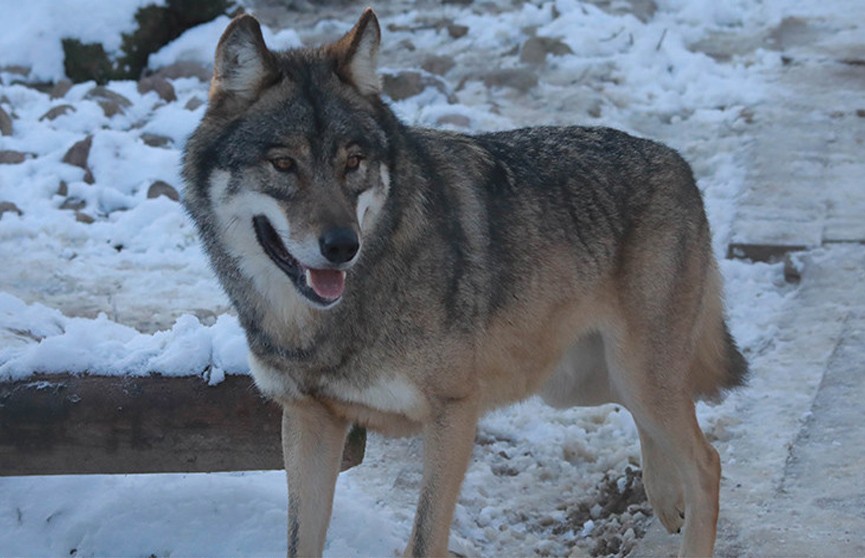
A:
409,280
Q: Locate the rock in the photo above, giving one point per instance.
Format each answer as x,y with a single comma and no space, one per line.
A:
521,79
60,89
9,207
193,103
83,218
63,189
16,69
160,188
155,140
183,69
112,103
73,203
5,123
536,49
457,31
9,157
77,156
458,120
437,64
159,84
405,84
54,112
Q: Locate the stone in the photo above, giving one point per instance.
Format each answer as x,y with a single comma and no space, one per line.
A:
184,69
457,120
57,111
10,157
521,79
73,203
155,140
536,49
160,188
9,207
457,31
83,218
437,64
5,123
160,85
60,89
77,156
112,103
63,189
193,103
405,84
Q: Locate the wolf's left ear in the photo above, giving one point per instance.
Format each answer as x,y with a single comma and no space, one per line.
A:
356,54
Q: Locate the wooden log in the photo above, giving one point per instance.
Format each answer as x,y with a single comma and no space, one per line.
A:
98,424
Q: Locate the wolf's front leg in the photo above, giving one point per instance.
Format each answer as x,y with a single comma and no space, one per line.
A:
447,447
312,442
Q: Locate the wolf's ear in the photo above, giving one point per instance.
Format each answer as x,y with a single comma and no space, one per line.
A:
356,54
244,65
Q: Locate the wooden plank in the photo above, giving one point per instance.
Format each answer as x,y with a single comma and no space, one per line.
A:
90,424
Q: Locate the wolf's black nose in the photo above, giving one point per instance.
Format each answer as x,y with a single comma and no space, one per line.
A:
339,244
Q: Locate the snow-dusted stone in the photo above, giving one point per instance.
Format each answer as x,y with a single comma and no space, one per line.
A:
73,203
10,157
161,188
193,103
155,140
111,102
457,31
9,207
402,85
77,157
536,49
54,112
521,79
185,68
5,123
438,64
60,89
159,84
83,218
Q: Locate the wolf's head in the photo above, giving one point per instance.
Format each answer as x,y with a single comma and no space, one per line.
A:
287,173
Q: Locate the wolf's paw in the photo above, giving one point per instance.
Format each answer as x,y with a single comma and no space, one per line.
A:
672,517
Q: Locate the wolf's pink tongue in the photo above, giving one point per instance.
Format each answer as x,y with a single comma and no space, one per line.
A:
327,283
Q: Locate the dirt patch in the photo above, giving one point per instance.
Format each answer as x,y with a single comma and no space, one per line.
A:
612,521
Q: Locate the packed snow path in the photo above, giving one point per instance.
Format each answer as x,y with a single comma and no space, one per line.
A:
793,463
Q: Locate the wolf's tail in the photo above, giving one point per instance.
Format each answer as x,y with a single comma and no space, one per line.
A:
718,364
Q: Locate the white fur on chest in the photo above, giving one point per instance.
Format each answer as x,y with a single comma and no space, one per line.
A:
389,394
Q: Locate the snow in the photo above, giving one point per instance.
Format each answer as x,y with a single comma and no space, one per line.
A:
131,293
38,26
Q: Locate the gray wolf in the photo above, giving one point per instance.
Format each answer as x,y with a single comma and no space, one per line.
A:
410,280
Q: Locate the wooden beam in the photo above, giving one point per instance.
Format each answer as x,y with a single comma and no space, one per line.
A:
99,424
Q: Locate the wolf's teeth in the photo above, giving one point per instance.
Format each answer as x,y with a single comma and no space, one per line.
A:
308,276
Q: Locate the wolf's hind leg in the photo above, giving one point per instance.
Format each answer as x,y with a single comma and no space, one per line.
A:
663,484
681,464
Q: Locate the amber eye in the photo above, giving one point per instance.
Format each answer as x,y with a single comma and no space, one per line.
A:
353,162
283,164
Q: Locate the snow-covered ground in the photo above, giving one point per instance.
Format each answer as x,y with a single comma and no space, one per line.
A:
99,277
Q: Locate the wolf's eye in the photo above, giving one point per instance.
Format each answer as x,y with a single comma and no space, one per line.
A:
283,164
353,162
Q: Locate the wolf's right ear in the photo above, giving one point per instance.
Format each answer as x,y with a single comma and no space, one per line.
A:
244,66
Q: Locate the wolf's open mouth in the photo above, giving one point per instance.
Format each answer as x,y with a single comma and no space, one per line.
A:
321,286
